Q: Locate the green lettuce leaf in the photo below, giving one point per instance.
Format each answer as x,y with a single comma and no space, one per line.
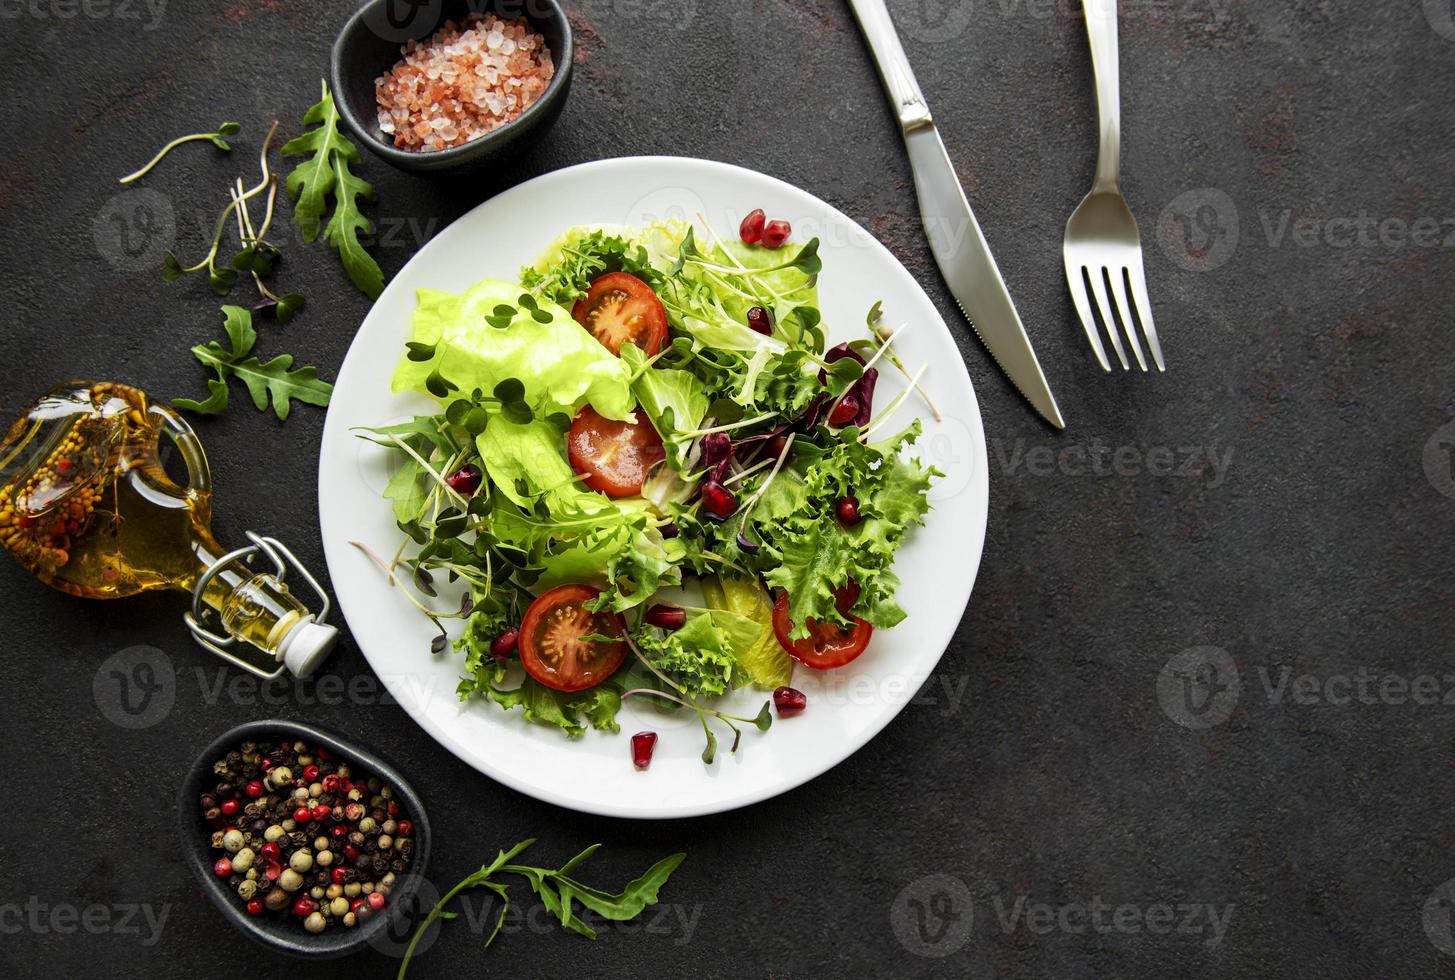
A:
703,655
560,365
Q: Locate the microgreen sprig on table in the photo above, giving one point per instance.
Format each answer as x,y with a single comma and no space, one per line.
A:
559,892
216,139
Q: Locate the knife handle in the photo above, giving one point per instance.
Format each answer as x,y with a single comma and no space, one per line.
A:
904,91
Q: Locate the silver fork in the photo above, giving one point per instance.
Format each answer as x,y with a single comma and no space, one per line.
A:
1103,246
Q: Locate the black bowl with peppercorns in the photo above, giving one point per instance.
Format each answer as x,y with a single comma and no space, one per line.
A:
306,842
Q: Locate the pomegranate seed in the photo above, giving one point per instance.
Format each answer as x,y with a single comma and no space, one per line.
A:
304,907
255,907
789,701
667,617
406,827
504,646
376,900
718,500
254,789
761,321
846,411
228,807
751,230
848,510
302,815
223,868
465,481
643,745
776,233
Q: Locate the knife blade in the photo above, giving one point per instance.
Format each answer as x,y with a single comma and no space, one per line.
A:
958,244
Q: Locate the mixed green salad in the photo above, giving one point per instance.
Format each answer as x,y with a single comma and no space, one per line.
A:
653,476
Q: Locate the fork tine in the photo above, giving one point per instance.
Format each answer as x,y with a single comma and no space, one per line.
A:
1083,309
1138,278
1098,289
1124,310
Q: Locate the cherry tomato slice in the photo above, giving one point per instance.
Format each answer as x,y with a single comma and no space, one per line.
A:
619,308
827,645
614,457
552,648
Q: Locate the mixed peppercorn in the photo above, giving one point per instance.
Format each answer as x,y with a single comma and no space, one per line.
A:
304,834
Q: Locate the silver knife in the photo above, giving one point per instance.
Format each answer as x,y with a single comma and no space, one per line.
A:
955,237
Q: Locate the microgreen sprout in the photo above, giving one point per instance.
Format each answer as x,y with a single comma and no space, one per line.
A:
216,139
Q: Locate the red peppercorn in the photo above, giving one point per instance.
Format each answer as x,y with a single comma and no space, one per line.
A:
356,904
643,745
406,827
310,774
846,411
667,617
229,807
392,808
751,230
337,876
776,233
304,907
789,701
376,900
270,851
255,907
465,481
321,811
302,815
265,764
223,868
351,852
330,784
718,501
848,510
503,647
761,321
273,870
254,789
324,754
339,830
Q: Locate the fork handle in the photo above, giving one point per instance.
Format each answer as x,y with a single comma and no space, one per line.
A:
1101,28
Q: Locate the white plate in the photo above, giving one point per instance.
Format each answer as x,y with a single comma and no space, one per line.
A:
847,707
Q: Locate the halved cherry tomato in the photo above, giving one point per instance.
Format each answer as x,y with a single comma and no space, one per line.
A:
552,648
619,308
615,457
827,645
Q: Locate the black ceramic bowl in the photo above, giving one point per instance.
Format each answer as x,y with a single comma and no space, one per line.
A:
369,44
288,935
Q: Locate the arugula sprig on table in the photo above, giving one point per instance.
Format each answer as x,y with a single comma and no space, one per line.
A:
560,893
327,173
273,382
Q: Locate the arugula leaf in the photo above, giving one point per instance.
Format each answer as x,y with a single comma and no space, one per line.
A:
326,173
274,381
558,892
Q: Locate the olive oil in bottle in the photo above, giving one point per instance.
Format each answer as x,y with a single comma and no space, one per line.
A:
87,507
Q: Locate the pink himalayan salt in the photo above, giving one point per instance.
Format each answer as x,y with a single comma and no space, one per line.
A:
463,82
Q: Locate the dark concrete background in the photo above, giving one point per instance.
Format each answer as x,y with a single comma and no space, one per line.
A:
1321,362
